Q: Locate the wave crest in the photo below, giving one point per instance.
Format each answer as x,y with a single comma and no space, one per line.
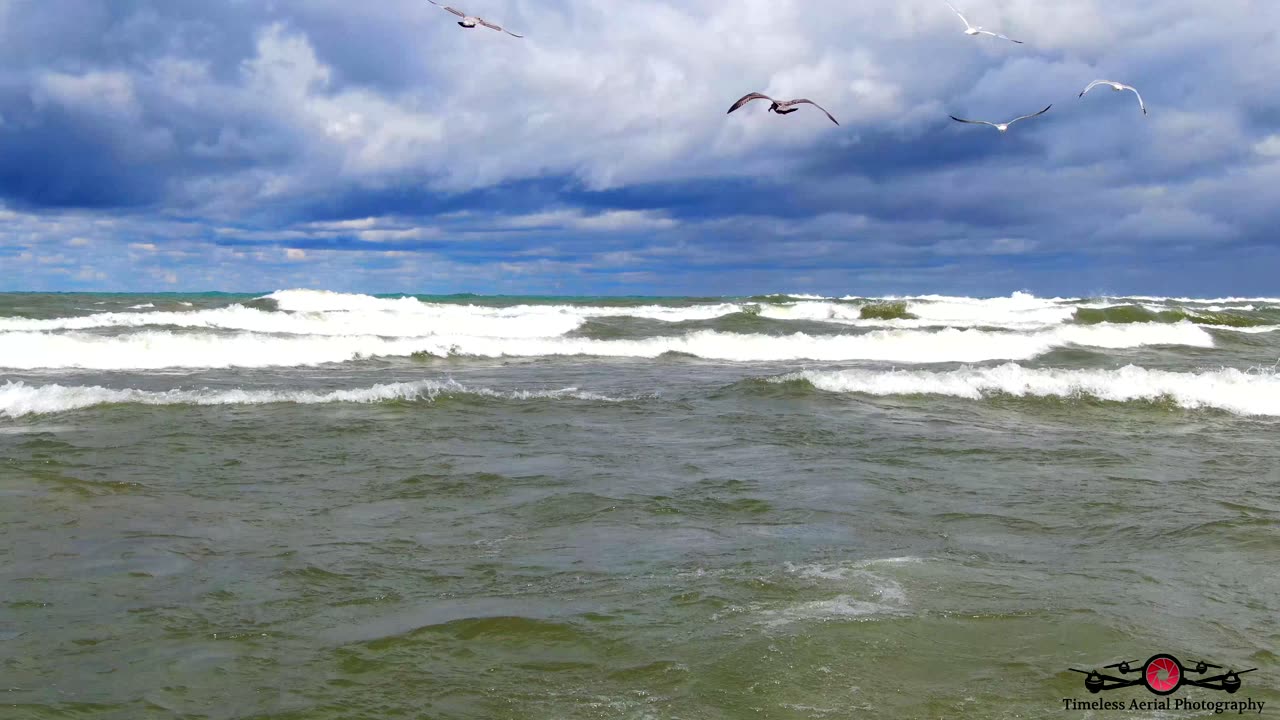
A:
163,349
1231,390
18,399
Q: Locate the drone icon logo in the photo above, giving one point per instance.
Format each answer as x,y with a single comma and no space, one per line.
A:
1162,674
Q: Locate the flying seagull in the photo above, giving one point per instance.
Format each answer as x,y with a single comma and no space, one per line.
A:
468,21
781,107
977,29
1117,87
1002,127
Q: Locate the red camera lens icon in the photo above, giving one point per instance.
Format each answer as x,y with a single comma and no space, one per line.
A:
1162,674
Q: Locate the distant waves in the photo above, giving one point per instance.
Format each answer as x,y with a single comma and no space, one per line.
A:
301,328
159,349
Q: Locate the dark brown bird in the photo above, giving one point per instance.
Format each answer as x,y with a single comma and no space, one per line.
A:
781,107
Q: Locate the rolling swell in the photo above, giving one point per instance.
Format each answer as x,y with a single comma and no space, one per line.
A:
1140,314
18,398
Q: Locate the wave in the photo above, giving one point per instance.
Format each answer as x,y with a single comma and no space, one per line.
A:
311,312
1017,312
1204,301
18,399
379,323
1234,391
788,296
313,301
155,349
1143,314
326,313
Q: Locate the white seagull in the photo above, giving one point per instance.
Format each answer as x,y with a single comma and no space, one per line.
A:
468,21
977,29
1117,87
1002,127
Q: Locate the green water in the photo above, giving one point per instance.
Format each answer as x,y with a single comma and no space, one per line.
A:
670,537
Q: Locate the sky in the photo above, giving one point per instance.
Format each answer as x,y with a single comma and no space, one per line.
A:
256,145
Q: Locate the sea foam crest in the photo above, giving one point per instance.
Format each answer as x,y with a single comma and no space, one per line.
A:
383,323
155,349
331,302
18,398
1231,390
1010,313
313,312
321,312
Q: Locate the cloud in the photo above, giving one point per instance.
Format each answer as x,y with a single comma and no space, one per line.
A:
596,152
609,221
1268,146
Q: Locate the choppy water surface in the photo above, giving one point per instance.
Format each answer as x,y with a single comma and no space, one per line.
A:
317,505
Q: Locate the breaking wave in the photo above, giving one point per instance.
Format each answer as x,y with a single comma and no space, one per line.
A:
156,349
1214,315
320,312
18,399
1230,390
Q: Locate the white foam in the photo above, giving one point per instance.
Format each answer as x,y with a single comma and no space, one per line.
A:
330,302
841,607
885,588
927,315
449,319
325,313
1243,393
530,321
800,296
311,312
889,596
18,399
1206,301
155,349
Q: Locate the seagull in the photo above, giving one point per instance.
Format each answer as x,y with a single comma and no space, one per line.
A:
781,107
976,29
1117,87
468,21
1002,127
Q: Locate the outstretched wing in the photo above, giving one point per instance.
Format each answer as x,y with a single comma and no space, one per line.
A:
972,122
1140,103
491,26
804,100
962,17
1024,117
1093,85
748,98
1002,37
459,13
